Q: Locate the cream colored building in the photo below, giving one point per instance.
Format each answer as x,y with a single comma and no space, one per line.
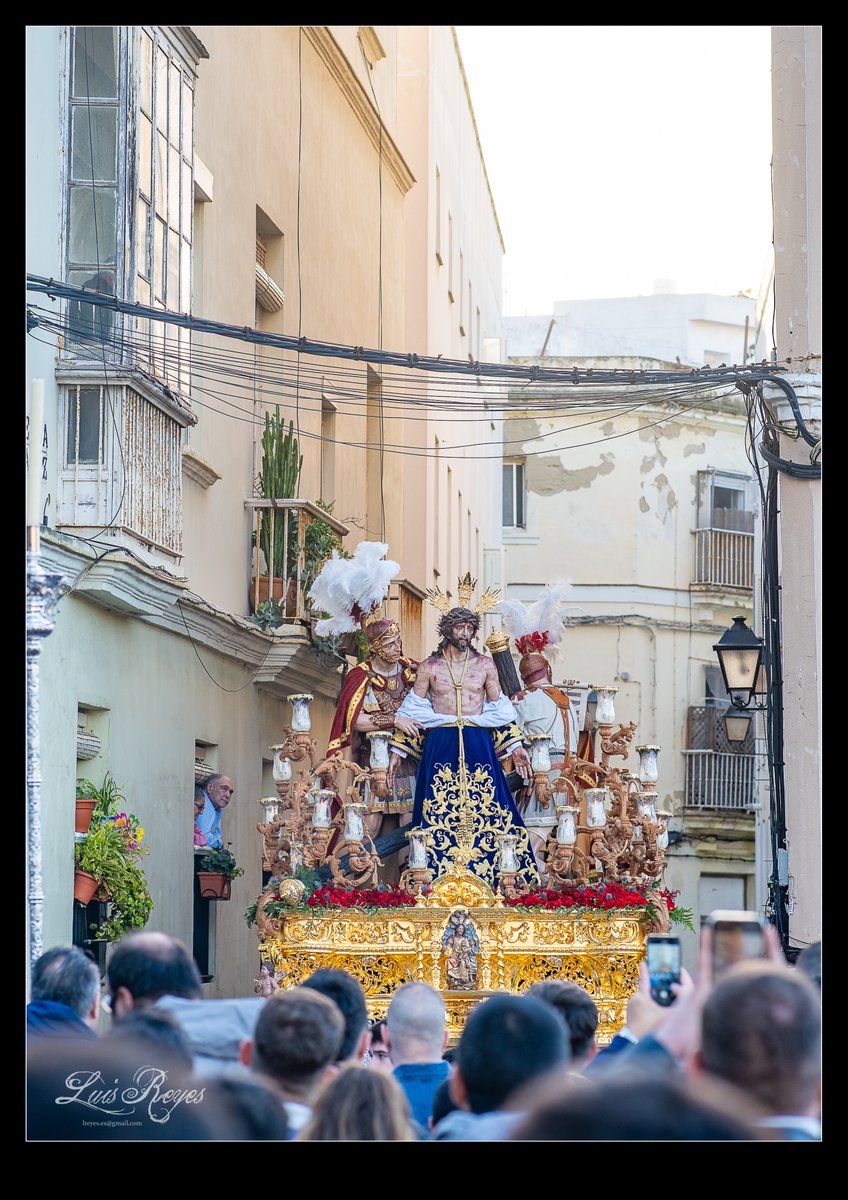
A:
297,181
649,507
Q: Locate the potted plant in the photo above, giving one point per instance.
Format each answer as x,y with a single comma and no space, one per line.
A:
110,855
218,869
277,480
86,800
268,615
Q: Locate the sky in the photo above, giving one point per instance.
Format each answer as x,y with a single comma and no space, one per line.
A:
623,155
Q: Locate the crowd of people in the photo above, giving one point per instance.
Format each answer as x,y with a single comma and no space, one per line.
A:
736,1057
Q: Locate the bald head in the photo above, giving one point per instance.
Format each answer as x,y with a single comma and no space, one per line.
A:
415,1023
146,966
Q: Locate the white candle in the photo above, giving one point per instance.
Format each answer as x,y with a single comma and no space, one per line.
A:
36,425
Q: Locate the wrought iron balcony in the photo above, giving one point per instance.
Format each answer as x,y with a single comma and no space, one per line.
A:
724,558
716,780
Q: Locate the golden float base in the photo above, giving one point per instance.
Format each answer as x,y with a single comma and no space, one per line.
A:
600,950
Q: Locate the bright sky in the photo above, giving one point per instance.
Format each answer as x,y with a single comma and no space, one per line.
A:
620,155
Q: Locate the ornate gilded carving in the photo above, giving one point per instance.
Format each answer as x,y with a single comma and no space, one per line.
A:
509,948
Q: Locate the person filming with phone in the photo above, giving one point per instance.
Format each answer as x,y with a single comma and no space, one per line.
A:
751,1021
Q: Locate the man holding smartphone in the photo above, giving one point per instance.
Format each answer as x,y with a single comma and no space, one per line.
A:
757,1027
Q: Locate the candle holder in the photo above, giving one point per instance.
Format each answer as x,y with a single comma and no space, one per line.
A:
598,803
566,831
540,761
322,801
379,761
281,768
271,829
509,882
416,876
560,854
645,809
301,719
354,828
605,712
648,770
662,836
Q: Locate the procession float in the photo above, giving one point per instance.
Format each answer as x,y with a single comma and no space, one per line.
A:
485,895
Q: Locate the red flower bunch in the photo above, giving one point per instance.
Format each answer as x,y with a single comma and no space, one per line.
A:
670,897
608,895
385,897
530,642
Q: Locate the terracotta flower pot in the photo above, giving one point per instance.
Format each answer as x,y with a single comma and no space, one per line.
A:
85,885
213,885
83,811
280,586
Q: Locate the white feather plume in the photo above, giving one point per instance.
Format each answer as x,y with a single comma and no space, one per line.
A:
543,615
346,584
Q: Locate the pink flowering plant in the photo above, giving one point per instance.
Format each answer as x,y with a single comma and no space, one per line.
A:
111,851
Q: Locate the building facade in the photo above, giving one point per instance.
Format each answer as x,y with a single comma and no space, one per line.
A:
643,498
261,179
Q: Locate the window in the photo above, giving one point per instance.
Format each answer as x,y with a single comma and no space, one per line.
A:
85,427
131,91
101,483
438,207
450,258
93,192
513,495
129,208
724,555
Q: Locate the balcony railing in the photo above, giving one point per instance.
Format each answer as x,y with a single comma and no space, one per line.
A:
292,539
724,557
716,780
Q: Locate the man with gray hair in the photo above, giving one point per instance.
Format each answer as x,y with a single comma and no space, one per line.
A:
417,1036
65,995
219,792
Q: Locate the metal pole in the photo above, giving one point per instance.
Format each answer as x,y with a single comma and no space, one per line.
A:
43,594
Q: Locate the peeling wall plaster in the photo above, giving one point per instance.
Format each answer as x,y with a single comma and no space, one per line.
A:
546,476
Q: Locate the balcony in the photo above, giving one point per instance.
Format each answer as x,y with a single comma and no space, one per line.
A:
291,541
719,781
719,773
724,558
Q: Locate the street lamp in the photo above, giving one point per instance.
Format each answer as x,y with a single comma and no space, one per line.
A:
737,727
740,654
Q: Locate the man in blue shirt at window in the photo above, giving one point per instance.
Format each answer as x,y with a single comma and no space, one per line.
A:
219,792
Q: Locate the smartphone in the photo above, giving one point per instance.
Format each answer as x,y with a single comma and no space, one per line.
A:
663,958
737,935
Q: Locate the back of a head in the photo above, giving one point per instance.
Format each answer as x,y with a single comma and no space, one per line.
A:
349,995
246,1109
443,1102
66,975
809,963
576,1007
648,1105
106,1090
416,1024
150,965
298,1033
761,1031
359,1105
507,1041
156,1034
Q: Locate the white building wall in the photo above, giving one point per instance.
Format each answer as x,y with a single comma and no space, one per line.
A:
688,330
